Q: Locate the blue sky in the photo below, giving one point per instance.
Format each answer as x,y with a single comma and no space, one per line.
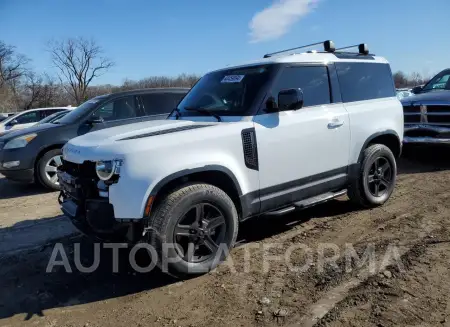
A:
156,37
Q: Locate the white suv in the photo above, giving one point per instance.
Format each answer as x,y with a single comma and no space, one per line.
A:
267,137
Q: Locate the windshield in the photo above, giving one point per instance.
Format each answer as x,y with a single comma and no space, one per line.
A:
81,111
11,118
52,118
440,82
227,92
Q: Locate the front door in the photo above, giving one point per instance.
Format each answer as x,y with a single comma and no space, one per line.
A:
304,152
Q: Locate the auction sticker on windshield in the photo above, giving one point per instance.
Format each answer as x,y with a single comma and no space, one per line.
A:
233,78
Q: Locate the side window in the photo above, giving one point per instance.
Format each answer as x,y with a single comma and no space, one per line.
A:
29,117
365,81
46,113
160,103
122,108
313,80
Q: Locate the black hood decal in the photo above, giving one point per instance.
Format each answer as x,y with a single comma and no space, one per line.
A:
165,131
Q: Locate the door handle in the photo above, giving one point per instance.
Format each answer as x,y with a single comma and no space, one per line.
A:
335,123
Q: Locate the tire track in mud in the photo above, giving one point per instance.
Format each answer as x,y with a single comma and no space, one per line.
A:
387,300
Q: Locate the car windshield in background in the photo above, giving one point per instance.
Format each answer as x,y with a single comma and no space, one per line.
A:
81,111
439,82
52,118
227,92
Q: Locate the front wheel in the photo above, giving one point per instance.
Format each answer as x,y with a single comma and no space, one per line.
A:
193,229
376,177
47,167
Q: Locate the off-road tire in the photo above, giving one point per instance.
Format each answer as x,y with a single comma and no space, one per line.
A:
358,191
162,222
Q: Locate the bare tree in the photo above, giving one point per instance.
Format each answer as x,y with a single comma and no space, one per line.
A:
32,90
12,64
416,78
79,61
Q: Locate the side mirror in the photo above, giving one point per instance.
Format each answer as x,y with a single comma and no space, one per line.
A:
13,122
94,120
290,99
417,89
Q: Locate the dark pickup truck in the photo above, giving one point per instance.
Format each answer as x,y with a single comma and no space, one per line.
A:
427,112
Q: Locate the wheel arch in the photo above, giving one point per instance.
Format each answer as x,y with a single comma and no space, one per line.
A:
44,150
388,138
216,175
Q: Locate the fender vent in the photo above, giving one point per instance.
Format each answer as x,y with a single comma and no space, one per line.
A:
250,148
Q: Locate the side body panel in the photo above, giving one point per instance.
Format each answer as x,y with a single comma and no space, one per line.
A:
295,145
373,117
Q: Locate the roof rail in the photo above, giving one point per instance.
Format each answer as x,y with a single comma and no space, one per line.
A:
363,48
327,45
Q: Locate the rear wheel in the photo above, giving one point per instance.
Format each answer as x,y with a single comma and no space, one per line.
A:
47,168
376,178
193,229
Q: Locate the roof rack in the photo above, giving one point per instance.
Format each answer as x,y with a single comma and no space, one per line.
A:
328,46
363,48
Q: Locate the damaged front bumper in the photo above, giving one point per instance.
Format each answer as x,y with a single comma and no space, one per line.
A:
94,215
426,134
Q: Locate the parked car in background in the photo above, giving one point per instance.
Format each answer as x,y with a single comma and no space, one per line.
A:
53,118
34,154
3,117
27,118
427,112
403,93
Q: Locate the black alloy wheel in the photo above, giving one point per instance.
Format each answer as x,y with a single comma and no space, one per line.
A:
379,178
199,232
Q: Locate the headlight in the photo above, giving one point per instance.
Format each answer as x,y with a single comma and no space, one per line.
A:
105,169
20,142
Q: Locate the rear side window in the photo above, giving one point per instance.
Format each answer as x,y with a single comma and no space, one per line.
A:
313,80
46,113
160,103
117,109
29,117
364,81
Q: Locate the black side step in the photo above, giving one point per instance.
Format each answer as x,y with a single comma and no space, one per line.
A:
307,203
319,199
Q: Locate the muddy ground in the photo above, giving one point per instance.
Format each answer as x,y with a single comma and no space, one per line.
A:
408,283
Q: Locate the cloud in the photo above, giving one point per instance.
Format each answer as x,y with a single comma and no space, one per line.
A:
276,20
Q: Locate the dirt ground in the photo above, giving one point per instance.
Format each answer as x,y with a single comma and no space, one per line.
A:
409,284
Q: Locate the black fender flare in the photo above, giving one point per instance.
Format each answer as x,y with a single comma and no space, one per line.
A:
353,169
374,136
187,172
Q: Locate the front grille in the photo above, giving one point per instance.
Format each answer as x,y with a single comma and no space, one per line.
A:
438,109
411,109
85,170
427,114
411,119
82,183
438,119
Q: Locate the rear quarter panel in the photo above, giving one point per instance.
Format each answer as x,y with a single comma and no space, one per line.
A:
368,118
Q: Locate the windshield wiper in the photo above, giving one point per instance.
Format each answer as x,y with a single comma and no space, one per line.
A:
204,111
178,113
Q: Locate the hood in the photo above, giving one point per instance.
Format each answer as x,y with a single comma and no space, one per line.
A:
433,97
6,136
134,131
